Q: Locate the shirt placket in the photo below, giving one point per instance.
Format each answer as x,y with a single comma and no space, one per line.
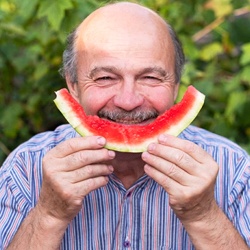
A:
126,222
126,232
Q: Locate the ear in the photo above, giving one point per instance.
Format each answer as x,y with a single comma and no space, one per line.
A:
176,90
73,88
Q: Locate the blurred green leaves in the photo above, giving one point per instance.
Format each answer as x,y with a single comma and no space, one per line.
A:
32,39
216,40
54,11
245,58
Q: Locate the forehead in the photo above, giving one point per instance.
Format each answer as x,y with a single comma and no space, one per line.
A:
123,22
124,30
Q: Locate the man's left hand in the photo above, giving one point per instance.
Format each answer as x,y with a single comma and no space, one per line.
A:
187,173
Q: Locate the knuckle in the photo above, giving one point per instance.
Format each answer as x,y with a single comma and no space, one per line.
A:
172,170
89,185
47,169
179,157
88,157
165,183
66,194
190,147
94,183
83,157
71,145
104,155
186,196
89,170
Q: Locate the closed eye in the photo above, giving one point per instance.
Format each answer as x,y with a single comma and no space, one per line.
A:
106,81
104,78
150,79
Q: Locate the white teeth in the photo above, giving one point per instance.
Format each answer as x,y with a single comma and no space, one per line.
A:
127,122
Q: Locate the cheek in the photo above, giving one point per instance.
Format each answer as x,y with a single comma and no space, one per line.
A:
161,100
93,100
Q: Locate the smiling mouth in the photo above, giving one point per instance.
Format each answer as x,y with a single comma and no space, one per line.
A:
129,117
132,122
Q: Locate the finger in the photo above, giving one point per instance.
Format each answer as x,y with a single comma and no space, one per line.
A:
87,157
174,156
167,168
88,172
170,185
188,155
77,144
85,187
195,151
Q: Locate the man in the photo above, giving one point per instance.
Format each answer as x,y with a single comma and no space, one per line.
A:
59,190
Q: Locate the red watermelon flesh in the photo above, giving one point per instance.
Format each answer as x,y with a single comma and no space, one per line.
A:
131,138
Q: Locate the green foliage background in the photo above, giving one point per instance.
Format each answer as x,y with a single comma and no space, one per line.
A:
216,39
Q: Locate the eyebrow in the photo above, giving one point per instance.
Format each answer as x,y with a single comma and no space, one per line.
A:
155,69
96,70
114,70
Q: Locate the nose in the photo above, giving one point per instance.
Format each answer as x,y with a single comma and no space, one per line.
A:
128,97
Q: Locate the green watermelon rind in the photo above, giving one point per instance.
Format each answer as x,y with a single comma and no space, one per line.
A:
174,130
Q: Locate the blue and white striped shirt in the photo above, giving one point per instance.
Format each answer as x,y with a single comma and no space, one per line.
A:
113,217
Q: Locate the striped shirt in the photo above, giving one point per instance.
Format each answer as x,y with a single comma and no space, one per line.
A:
113,217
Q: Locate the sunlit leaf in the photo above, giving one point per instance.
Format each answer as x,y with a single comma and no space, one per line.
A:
245,58
54,11
245,75
220,7
235,101
12,28
10,119
41,70
26,8
210,51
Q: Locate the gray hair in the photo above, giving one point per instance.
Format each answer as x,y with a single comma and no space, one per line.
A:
69,67
179,54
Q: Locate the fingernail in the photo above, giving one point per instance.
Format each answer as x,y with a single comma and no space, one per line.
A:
151,147
111,168
111,154
162,138
145,155
101,141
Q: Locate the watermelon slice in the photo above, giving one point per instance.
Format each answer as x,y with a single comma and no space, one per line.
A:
131,138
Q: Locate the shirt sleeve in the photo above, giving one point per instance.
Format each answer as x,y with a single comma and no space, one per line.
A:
239,199
14,202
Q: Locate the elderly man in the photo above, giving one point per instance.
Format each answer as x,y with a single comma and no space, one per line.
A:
58,190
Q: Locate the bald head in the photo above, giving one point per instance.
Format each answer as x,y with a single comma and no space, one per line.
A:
118,13
121,24
121,21
121,17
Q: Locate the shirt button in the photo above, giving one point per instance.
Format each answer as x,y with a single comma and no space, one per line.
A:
126,243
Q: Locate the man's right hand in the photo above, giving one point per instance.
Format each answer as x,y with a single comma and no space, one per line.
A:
71,170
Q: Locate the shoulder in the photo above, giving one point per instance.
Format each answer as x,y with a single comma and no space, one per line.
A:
233,161
61,133
38,145
211,141
231,158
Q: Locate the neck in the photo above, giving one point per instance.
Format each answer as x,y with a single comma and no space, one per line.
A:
128,167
